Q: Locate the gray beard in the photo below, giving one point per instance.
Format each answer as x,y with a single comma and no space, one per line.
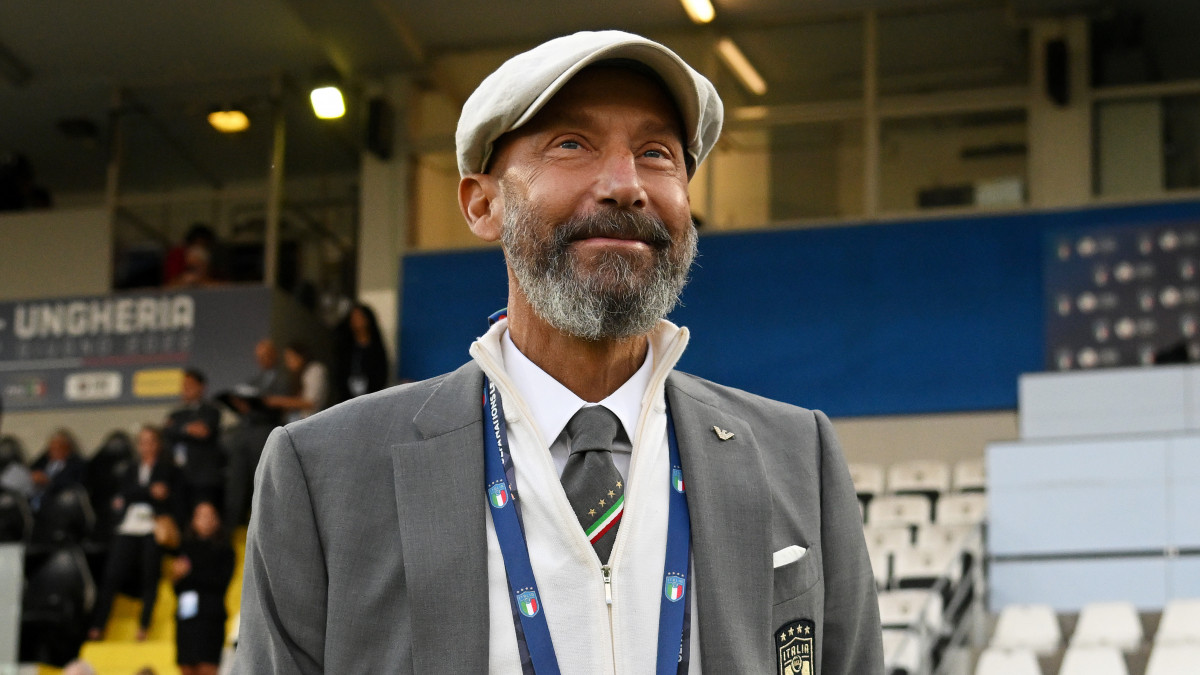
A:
622,297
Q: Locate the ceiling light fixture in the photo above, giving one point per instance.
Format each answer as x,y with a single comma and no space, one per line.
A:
699,11
741,66
327,102
229,121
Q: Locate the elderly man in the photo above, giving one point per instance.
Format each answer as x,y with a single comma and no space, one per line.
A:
567,501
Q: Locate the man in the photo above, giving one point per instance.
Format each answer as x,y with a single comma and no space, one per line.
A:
246,440
446,526
60,466
192,438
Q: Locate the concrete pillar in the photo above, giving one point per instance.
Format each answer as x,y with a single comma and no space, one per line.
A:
1060,136
384,217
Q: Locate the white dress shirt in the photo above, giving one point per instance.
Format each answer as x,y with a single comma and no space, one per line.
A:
553,405
590,636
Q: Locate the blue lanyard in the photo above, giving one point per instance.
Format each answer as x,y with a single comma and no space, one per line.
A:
533,633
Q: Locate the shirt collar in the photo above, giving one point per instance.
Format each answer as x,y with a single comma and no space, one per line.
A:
553,405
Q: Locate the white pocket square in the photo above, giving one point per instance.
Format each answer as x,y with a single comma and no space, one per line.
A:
788,555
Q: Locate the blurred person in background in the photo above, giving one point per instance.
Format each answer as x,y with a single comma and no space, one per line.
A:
199,260
362,361
312,384
148,493
201,574
59,466
245,441
192,435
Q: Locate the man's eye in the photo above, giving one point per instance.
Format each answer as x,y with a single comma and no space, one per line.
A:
570,145
655,154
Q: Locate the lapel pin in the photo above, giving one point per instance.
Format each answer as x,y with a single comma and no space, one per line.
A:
722,434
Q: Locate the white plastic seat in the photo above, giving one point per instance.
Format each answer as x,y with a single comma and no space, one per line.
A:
1093,661
904,650
881,565
910,608
923,566
1033,626
969,475
995,661
924,476
1108,624
898,510
867,478
962,509
1180,623
1174,659
889,537
942,535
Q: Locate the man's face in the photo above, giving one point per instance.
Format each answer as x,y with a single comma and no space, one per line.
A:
193,391
265,354
596,219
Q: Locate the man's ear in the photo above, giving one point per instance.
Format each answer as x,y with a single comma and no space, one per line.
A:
480,202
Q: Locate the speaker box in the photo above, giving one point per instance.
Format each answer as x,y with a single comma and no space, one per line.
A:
1057,66
380,127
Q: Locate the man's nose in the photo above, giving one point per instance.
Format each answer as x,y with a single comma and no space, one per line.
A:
619,184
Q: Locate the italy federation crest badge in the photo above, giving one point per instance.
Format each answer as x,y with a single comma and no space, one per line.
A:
528,603
794,646
673,587
677,479
498,494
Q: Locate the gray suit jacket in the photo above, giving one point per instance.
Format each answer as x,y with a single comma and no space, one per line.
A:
367,551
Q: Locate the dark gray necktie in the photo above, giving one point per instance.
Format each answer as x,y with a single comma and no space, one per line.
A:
591,481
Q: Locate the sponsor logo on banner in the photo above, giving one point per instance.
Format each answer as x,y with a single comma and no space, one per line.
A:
528,603
673,588
794,647
26,389
93,386
498,495
676,480
158,383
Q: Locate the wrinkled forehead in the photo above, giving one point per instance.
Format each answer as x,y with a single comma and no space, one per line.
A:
626,67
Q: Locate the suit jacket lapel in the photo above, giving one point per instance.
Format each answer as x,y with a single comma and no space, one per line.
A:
730,514
439,483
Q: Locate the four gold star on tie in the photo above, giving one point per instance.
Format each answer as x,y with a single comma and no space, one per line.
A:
601,502
611,493
591,512
618,483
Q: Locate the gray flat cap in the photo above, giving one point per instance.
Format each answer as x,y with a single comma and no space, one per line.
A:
517,90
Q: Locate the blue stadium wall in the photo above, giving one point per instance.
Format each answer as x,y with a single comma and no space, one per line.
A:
913,317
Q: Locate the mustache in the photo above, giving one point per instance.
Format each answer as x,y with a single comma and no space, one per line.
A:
615,223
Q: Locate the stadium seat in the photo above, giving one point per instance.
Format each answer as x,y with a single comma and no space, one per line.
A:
890,537
941,534
904,651
996,661
962,509
910,608
58,601
868,482
881,565
11,450
969,476
1032,626
1093,661
1108,624
925,477
16,520
1180,623
898,510
915,567
65,519
1174,659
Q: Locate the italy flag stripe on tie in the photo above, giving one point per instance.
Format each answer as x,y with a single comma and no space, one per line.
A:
606,521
